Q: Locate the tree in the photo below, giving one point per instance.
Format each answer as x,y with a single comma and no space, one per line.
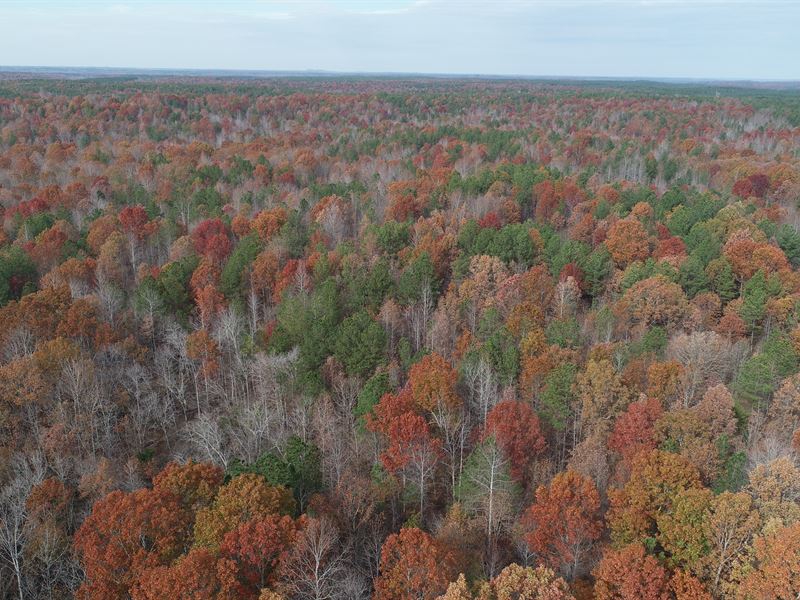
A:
199,575
373,390
457,590
210,303
268,222
656,480
673,247
775,487
601,393
22,384
634,430
747,256
754,300
233,276
413,452
315,569
17,274
417,279
113,264
630,574
126,533
515,428
776,572
654,301
687,587
304,462
243,498
784,410
392,236
788,239
360,344
210,238
393,303
501,350
563,523
432,382
728,529
481,383
759,375
555,403
264,274
704,356
564,333
414,566
738,251
259,547
200,346
308,322
134,221
703,433
693,278
596,269
83,321
680,530
651,167
722,279
525,583
743,188
627,241
195,484
16,513
173,287
298,467
367,288
487,490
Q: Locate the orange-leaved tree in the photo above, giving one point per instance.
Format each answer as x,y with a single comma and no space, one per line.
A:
414,566
563,524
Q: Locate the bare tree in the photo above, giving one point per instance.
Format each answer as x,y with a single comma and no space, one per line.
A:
453,424
566,296
51,564
18,343
249,432
482,385
14,535
207,438
85,409
110,297
706,358
419,316
333,435
316,568
487,490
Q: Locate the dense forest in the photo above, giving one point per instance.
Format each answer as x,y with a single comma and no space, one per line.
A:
352,338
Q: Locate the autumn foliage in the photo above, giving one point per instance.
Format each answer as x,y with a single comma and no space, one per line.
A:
352,338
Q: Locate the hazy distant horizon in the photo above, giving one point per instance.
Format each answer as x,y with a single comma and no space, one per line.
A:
719,40
105,71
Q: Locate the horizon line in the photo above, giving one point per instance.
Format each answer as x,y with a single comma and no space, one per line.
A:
292,73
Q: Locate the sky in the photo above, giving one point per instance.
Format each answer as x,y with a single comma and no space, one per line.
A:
707,39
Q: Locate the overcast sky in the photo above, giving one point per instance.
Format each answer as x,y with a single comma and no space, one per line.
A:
742,39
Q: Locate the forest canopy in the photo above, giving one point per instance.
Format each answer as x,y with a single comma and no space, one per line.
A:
342,338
